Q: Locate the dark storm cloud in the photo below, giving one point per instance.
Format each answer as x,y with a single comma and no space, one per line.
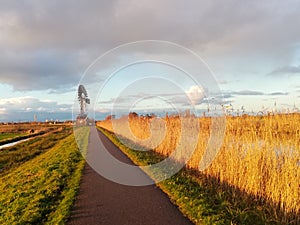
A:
48,44
39,70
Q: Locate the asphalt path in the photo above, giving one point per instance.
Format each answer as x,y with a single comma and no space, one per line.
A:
101,201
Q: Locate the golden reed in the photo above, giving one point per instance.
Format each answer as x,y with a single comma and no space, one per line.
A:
259,155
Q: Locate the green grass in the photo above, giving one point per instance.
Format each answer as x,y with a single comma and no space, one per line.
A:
198,199
42,189
21,137
4,136
14,156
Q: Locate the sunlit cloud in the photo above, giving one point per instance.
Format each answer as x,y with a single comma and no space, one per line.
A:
195,94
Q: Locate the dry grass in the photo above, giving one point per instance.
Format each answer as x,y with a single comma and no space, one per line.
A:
21,128
259,155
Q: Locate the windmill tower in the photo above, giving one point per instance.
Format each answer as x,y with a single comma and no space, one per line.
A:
83,102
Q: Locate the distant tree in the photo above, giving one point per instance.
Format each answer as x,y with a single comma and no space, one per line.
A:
151,115
110,117
133,115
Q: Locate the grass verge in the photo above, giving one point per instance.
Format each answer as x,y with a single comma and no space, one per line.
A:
19,137
42,190
198,199
4,136
12,157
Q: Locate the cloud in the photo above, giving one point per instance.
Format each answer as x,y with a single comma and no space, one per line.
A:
32,104
3,111
24,108
62,90
286,70
247,92
195,94
48,44
39,70
278,93
227,95
222,82
230,94
127,101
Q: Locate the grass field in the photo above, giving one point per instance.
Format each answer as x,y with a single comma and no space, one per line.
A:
40,178
9,135
15,132
258,164
14,156
23,128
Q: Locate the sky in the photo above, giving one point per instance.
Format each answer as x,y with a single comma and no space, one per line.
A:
251,47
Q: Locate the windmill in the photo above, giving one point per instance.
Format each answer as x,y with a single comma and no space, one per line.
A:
83,101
